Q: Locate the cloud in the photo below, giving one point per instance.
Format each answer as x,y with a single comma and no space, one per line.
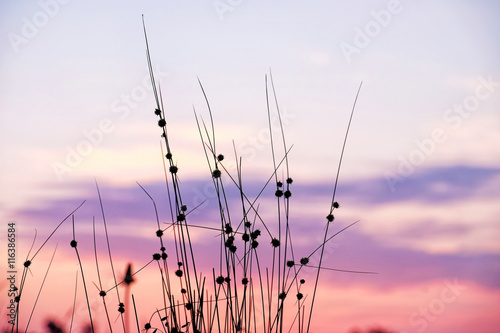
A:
399,267
432,185
404,249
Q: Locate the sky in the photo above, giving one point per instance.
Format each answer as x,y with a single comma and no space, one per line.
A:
420,171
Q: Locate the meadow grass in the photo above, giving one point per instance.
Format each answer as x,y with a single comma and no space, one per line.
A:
257,284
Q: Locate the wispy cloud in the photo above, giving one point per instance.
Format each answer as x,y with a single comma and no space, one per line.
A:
130,215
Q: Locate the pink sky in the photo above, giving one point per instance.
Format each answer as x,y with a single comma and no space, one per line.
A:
414,291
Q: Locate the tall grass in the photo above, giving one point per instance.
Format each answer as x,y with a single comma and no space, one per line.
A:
257,284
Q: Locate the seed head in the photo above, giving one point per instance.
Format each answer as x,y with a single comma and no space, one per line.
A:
128,275
304,261
255,234
162,122
73,243
229,241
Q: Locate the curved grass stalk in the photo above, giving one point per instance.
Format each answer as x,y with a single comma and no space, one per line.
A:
332,206
74,304
74,245
109,254
102,293
40,290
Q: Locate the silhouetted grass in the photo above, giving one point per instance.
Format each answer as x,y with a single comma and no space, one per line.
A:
241,293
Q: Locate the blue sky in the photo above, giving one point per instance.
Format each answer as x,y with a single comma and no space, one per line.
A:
421,168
